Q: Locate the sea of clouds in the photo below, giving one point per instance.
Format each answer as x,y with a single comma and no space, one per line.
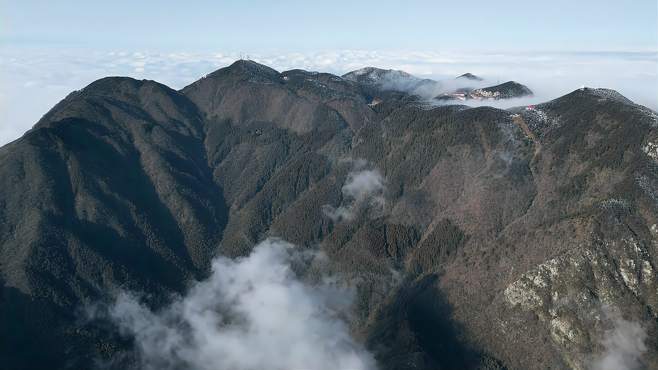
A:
33,80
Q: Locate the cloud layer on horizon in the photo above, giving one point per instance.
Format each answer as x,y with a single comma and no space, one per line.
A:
35,80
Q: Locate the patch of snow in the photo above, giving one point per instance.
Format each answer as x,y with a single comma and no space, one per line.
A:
484,94
609,94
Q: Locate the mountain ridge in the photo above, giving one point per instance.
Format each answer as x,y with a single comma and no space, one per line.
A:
131,184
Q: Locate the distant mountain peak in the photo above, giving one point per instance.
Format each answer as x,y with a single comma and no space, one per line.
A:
247,68
607,94
506,90
112,85
392,80
373,74
470,76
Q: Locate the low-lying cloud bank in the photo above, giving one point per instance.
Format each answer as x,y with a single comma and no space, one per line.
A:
363,190
33,80
252,313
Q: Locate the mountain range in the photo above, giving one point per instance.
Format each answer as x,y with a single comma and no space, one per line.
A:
480,238
467,87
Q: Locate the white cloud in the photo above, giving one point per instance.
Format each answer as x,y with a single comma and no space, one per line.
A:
363,189
363,184
624,344
252,313
34,80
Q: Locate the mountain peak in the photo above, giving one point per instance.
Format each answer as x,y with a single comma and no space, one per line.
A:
470,76
116,85
375,75
509,89
245,67
588,94
392,80
603,93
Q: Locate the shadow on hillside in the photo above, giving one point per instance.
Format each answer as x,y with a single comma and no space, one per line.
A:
419,332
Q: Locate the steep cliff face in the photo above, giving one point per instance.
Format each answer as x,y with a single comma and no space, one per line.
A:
475,237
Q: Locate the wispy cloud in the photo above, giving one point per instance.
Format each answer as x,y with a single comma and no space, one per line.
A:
252,313
34,80
363,189
624,344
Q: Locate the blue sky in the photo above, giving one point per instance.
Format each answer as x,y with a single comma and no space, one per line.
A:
259,25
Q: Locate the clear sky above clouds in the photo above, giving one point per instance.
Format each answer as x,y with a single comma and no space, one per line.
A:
258,25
